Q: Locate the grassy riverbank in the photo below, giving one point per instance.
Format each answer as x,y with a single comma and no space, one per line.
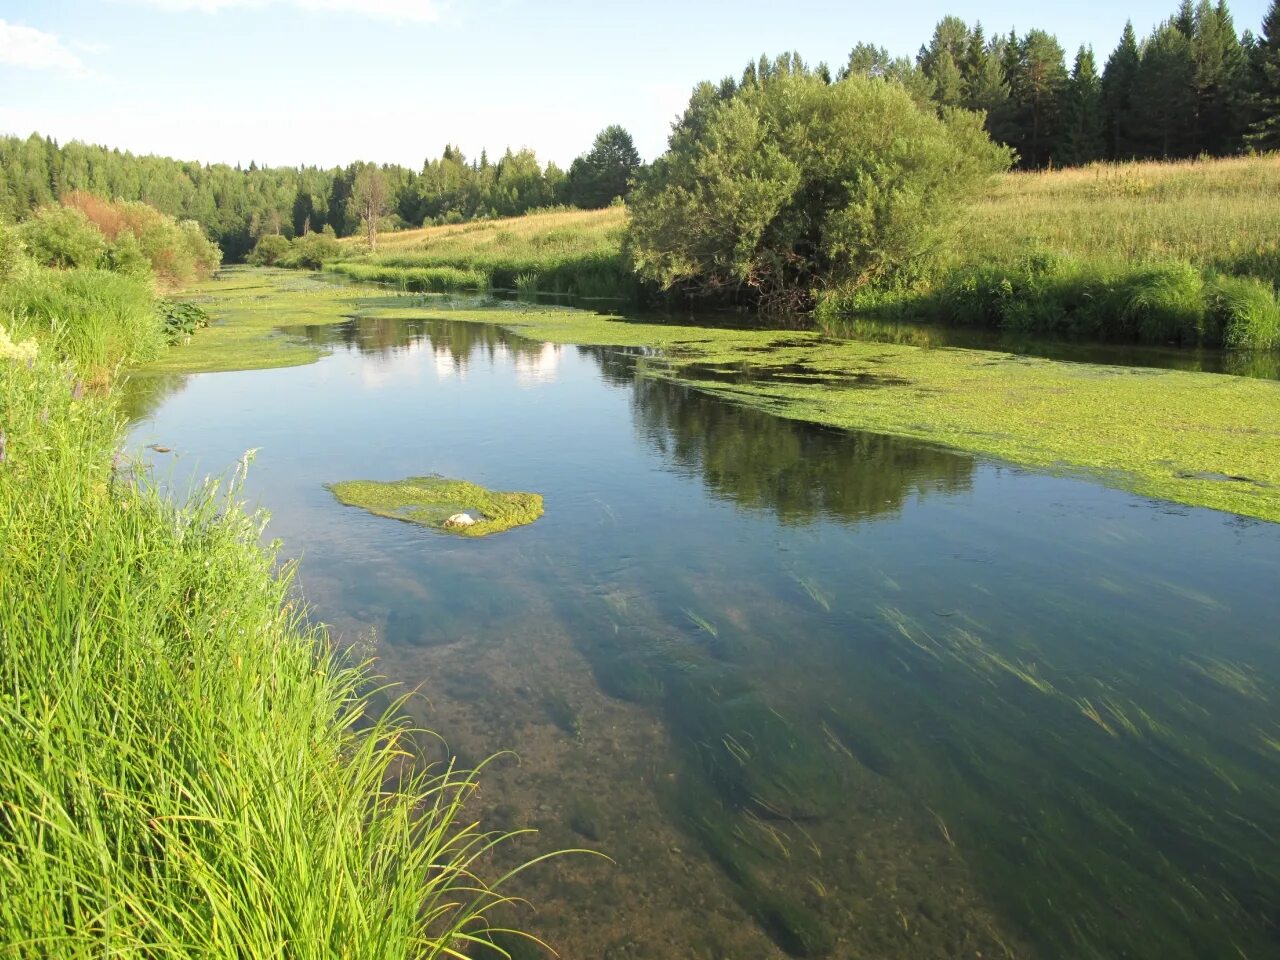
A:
1146,252
188,768
1201,439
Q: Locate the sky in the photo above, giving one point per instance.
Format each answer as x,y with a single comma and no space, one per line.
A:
327,82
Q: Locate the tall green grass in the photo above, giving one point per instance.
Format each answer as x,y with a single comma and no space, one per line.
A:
1170,302
94,318
187,768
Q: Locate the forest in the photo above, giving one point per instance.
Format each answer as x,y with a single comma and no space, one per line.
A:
1193,86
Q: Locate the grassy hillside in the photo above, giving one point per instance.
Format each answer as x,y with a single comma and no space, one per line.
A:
569,251
1216,213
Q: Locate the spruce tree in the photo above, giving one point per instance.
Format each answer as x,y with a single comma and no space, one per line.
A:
1219,73
948,84
1264,128
1164,94
1082,130
1118,79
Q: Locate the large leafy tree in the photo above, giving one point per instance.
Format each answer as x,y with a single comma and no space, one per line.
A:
794,185
605,171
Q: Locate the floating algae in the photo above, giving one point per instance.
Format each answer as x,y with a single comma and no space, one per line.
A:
433,501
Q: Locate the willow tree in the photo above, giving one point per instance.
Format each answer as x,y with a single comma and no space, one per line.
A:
793,186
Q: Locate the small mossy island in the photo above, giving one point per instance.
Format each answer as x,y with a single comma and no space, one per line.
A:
433,501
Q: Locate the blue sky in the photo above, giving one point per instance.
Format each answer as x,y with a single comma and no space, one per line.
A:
331,81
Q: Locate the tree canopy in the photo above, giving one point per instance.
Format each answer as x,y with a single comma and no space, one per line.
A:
792,184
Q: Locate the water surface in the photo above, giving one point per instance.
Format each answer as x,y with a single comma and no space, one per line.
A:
815,692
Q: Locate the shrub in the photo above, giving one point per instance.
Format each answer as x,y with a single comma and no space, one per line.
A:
795,184
269,250
1246,311
14,261
64,237
312,250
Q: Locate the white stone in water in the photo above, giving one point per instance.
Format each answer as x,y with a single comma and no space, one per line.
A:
460,520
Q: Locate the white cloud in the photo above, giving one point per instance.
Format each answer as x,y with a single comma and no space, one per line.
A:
28,47
421,11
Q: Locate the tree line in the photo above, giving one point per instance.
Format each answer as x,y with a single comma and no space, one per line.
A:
1192,87
237,206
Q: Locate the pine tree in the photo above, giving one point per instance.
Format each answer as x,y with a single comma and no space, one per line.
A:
1264,128
1082,120
1118,79
1036,88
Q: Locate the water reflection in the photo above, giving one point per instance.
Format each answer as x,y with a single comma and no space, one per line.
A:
799,472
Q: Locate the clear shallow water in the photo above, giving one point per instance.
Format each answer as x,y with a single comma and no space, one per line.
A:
814,692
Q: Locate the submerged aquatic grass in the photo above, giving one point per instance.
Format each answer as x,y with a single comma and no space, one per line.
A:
431,501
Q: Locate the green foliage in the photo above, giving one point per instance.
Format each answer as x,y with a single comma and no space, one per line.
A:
553,251
14,260
180,318
58,236
269,250
311,251
96,318
1161,303
419,279
603,174
1246,310
793,185
430,501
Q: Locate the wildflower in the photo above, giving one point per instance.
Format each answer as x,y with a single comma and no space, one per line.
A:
2,446
77,392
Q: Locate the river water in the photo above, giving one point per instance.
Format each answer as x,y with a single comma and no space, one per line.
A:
815,693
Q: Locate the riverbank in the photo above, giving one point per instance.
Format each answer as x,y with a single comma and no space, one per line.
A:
189,767
1205,440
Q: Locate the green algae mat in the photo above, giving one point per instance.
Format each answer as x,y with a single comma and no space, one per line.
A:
1202,439
433,501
